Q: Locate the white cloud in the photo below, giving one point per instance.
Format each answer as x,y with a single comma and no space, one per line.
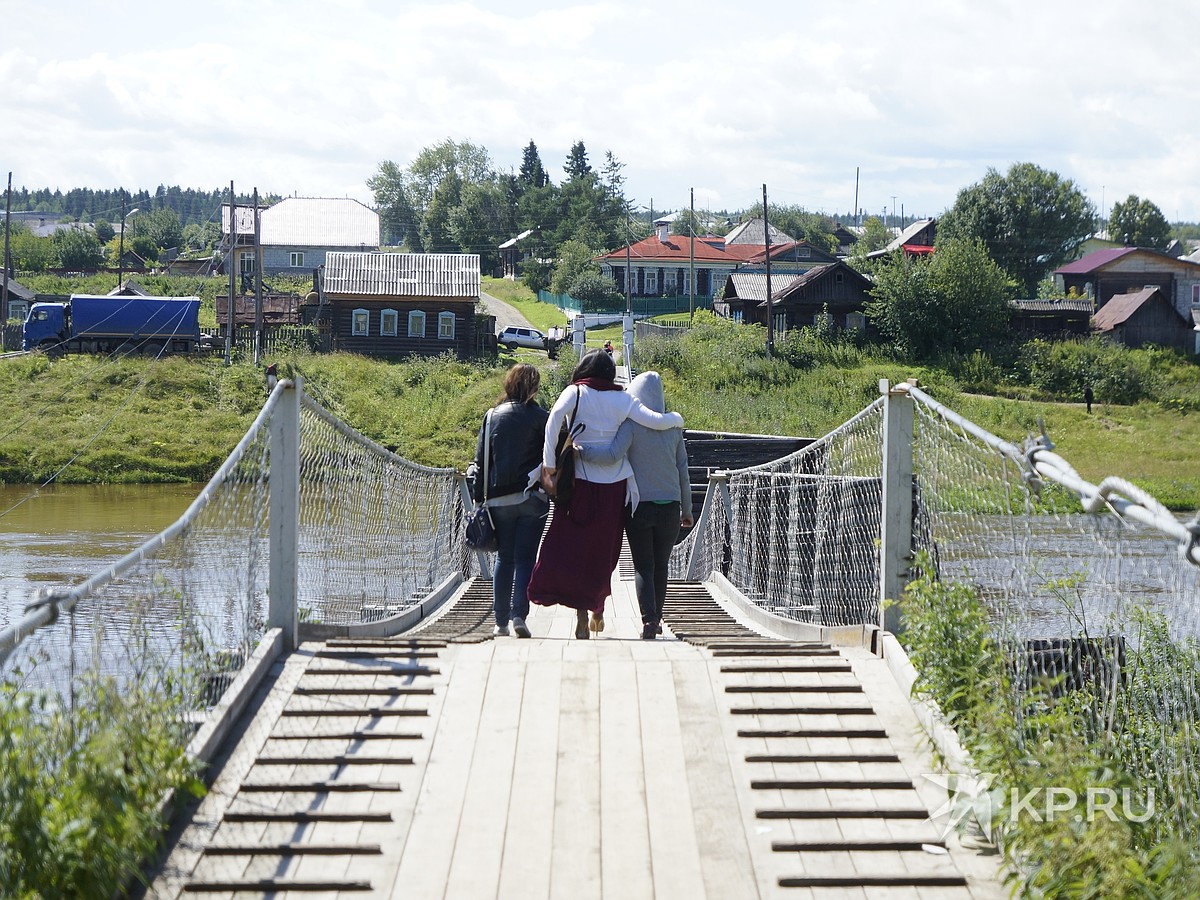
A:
309,97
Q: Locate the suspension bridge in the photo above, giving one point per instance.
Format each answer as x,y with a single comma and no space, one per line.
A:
321,639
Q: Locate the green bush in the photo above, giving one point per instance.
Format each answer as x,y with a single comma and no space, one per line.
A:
81,788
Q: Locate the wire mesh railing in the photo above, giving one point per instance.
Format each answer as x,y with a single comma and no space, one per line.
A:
306,520
798,536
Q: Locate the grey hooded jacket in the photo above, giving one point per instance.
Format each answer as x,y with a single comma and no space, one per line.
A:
659,458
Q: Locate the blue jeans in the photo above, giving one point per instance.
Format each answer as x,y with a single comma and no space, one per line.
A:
518,532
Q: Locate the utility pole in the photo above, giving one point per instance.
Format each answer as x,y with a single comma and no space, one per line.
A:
770,311
856,216
7,263
893,210
121,244
692,258
258,298
628,265
231,264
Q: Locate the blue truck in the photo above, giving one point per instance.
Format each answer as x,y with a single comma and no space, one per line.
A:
88,323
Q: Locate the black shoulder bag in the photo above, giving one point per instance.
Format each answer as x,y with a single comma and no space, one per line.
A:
480,530
562,486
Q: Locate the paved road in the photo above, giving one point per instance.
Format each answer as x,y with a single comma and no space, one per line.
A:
505,314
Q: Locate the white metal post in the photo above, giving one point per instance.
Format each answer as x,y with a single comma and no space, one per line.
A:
627,341
579,335
284,528
896,520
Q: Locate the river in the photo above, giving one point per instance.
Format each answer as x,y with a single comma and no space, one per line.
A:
60,534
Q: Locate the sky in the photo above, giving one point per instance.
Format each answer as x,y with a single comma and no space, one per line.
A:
901,105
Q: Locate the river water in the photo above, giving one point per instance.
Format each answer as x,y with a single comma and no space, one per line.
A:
61,534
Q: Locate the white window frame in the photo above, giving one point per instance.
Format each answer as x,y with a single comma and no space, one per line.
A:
386,316
296,259
360,322
445,326
246,263
651,282
414,316
856,321
17,309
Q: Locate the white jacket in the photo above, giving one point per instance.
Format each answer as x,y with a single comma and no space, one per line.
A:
602,413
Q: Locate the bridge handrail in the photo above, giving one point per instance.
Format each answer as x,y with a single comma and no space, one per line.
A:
50,602
346,431
1040,463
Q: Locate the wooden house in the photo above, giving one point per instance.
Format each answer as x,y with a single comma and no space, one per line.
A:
400,304
1143,317
1059,317
915,240
1118,271
662,264
834,289
514,252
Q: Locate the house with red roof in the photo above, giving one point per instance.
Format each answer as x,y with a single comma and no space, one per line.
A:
662,264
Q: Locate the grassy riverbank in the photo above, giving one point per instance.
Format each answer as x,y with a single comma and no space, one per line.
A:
89,419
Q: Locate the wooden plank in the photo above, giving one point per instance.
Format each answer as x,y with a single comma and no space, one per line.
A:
674,843
479,848
724,852
624,832
575,849
428,849
525,866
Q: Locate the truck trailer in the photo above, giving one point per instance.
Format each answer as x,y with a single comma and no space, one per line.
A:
89,323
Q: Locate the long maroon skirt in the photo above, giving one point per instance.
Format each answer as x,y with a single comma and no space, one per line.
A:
580,550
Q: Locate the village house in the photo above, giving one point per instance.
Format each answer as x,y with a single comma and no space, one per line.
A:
662,264
297,233
915,240
401,304
1144,317
831,289
1053,318
1120,271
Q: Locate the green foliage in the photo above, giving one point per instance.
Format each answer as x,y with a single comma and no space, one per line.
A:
76,248
955,301
30,253
575,258
81,789
1063,369
1139,223
1029,219
1035,739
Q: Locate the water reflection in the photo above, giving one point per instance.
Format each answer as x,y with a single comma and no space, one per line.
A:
61,534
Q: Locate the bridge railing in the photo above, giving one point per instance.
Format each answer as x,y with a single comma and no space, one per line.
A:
306,521
1094,587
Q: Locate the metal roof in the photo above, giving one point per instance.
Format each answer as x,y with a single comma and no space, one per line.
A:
1083,305
754,287
453,275
310,222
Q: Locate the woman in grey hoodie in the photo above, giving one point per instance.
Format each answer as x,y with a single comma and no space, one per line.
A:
660,468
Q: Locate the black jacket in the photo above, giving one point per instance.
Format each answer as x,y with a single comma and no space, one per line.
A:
517,434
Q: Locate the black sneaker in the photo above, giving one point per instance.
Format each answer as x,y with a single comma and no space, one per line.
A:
650,631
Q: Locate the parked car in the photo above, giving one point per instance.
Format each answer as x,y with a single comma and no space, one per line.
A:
514,336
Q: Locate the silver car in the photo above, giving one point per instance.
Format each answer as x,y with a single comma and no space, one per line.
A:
515,336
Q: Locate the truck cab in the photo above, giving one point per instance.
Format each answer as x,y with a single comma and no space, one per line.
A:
45,324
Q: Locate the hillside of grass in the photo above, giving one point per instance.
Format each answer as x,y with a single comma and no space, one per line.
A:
90,419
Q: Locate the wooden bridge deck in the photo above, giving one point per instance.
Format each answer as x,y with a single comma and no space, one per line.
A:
557,768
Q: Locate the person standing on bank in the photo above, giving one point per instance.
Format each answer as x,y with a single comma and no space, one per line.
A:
582,545
513,434
660,465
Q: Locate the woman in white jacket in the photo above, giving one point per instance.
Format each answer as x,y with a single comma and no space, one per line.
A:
581,547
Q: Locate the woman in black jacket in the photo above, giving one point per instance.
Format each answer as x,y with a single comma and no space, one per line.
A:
513,432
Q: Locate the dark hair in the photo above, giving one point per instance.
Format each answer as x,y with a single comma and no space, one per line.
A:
521,382
595,364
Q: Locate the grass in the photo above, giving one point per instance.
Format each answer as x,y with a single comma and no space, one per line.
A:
137,420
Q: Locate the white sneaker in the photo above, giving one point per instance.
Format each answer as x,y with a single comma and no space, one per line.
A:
519,627
500,631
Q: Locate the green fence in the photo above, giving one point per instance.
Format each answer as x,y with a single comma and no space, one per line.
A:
642,306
